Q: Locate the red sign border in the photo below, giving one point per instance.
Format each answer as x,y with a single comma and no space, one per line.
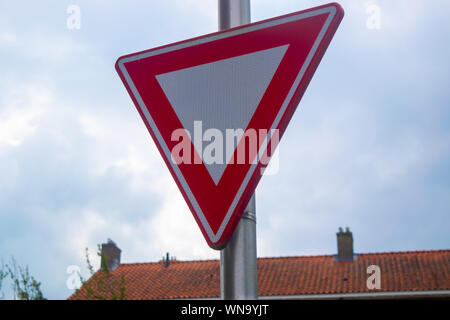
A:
336,14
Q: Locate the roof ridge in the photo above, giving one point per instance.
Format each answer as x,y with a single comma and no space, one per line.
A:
171,262
299,256
406,251
295,256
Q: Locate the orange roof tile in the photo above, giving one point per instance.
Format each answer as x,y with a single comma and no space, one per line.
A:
302,275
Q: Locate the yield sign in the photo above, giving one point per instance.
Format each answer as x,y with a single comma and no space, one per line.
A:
217,105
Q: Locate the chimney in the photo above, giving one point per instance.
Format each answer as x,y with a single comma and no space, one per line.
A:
110,259
344,245
167,261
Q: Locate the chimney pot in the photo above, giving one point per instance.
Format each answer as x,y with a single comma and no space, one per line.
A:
167,260
110,258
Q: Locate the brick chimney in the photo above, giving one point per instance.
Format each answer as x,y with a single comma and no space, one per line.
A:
110,259
344,245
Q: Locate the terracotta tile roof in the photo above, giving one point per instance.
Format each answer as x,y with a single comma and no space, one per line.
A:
400,271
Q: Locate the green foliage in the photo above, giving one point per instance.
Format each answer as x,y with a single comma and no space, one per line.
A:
3,275
25,286
102,285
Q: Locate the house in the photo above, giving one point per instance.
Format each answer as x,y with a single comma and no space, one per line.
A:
346,275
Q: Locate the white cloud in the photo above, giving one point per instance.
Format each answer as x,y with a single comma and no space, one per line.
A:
7,37
80,230
173,228
20,112
16,126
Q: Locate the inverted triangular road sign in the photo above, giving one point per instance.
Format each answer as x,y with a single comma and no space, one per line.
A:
216,106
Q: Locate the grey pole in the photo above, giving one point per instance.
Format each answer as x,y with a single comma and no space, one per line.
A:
238,276
233,13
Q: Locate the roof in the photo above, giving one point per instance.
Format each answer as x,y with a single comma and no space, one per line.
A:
300,275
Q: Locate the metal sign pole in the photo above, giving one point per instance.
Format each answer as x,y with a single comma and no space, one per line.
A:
238,276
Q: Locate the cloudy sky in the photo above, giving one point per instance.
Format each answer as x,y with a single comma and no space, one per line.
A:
368,148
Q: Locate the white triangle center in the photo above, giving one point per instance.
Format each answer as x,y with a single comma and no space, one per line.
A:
222,95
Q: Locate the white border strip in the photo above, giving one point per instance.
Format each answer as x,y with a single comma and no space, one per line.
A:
215,237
